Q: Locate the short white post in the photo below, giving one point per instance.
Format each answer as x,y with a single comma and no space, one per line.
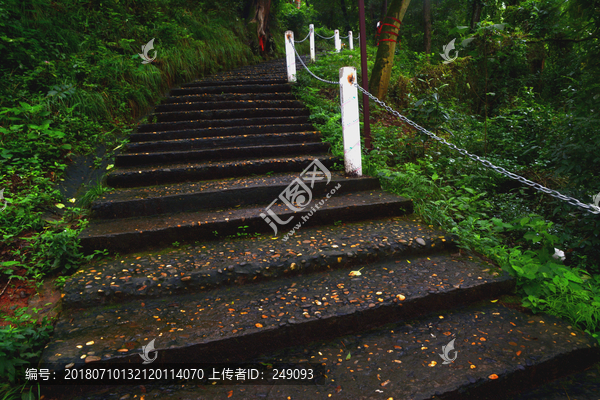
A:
338,42
290,57
350,121
311,27
350,40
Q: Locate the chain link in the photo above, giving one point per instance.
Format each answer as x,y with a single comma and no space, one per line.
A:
309,71
344,37
323,37
300,41
588,207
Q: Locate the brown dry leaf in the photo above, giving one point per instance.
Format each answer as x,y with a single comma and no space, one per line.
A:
258,325
230,393
519,352
493,376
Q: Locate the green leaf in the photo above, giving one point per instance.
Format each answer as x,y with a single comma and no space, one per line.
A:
348,356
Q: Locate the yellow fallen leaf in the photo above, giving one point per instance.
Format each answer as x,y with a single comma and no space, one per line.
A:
355,273
493,301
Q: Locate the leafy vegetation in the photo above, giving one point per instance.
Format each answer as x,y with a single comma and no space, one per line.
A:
72,79
508,98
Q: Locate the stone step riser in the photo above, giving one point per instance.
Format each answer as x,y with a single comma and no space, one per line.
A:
198,173
251,80
232,89
234,131
224,123
219,154
128,242
228,105
228,97
209,199
211,115
221,142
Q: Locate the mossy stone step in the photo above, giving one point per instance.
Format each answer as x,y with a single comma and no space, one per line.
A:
249,80
219,132
142,233
175,173
222,141
282,87
205,98
246,257
222,123
222,105
216,194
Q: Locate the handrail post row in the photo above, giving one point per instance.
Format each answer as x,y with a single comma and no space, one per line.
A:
350,121
311,28
350,40
338,42
290,57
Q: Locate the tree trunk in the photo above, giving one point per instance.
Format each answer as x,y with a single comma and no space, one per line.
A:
345,13
476,15
261,17
380,76
427,32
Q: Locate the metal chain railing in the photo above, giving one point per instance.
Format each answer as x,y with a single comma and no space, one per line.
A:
309,71
300,41
323,37
588,207
344,37
572,201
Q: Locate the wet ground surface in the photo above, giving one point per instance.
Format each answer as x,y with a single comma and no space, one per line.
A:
326,303
250,258
498,351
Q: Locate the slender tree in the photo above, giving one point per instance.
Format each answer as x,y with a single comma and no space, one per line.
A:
427,31
382,70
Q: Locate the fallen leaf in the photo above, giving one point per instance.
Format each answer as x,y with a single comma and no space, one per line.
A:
230,393
355,273
348,356
493,376
493,301
385,383
519,352
258,325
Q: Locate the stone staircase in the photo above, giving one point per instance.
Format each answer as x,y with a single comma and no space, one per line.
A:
197,268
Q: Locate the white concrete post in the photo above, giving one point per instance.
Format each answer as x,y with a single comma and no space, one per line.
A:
337,41
350,40
311,27
350,121
290,57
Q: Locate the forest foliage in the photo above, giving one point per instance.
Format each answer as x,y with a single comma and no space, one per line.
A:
522,93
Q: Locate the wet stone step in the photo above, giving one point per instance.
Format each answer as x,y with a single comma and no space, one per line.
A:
222,105
249,258
232,89
235,192
250,80
156,175
228,114
203,124
222,153
220,132
134,234
241,322
499,353
228,97
222,141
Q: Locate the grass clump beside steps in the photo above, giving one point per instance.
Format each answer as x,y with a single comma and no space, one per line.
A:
73,80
